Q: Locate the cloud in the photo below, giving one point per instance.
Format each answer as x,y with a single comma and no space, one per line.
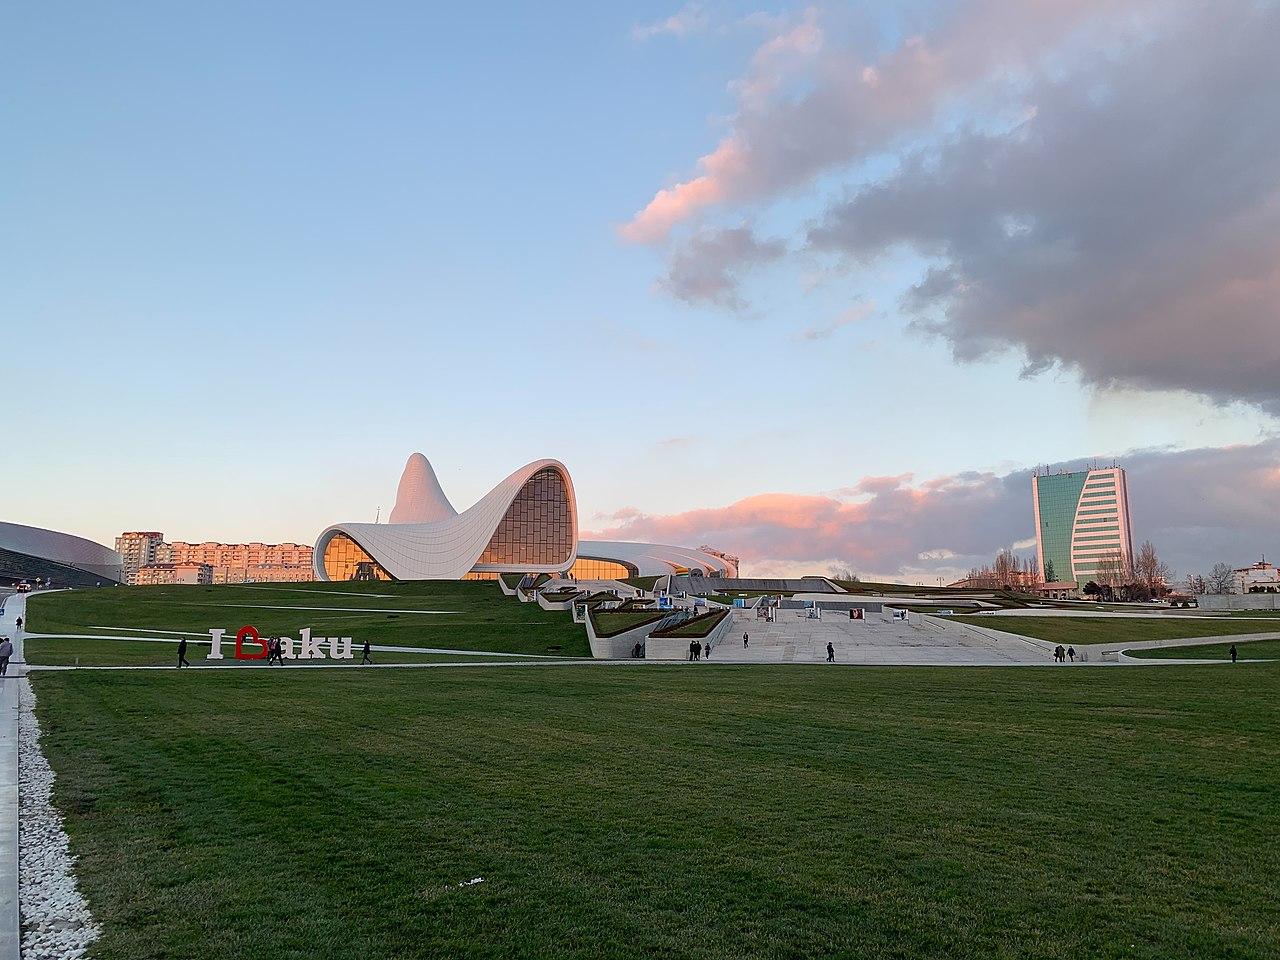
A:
855,314
688,20
1128,230
1197,506
806,106
706,269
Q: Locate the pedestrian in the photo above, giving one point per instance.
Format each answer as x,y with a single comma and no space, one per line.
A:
744,641
18,623
6,651
365,658
831,653
182,653
1071,652
275,651
1057,653
691,650
697,650
707,649
1233,652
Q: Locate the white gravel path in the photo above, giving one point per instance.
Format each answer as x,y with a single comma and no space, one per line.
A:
56,922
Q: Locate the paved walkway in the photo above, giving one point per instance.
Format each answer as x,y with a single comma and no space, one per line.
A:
10,928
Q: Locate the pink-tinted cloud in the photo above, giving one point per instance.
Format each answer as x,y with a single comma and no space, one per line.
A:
1197,506
842,108
690,19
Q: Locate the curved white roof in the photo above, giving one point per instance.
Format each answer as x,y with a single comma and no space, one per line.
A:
654,559
449,547
62,548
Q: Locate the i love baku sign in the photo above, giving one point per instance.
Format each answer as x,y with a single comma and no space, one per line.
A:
250,645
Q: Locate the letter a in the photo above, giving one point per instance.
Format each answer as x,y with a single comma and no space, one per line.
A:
310,648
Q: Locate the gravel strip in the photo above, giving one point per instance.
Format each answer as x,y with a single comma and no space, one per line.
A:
56,922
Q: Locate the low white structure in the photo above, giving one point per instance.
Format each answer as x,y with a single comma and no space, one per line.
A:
651,559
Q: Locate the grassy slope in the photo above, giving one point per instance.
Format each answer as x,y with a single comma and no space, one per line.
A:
110,653
1213,651
724,812
1076,630
487,620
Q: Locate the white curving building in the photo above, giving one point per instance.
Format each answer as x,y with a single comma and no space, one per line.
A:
30,552
527,524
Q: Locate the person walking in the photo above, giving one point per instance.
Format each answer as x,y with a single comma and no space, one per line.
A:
18,623
707,649
182,653
6,651
691,650
1071,652
697,650
744,641
364,653
1058,655
831,653
275,651
1233,652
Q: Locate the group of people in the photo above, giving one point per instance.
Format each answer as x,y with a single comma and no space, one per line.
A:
1060,655
696,650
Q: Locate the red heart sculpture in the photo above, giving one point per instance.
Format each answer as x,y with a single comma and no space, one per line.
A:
250,634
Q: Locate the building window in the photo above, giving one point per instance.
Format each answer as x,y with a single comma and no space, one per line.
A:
344,559
589,568
537,529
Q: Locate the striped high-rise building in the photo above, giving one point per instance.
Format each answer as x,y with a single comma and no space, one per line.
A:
1082,524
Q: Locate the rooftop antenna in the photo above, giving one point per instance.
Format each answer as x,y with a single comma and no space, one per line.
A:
378,516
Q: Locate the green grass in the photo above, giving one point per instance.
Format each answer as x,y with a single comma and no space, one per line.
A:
1112,630
485,618
57,651
713,813
642,583
610,623
695,627
1212,651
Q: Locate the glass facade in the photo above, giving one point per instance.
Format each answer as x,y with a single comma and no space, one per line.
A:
538,528
1083,523
588,568
1058,496
344,559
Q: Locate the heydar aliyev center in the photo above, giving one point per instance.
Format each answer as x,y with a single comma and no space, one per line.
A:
528,523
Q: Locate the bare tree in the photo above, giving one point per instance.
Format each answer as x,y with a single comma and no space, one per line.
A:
1150,571
1112,571
844,573
1221,579
1195,585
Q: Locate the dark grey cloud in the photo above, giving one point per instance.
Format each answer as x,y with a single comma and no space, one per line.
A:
705,270
1129,229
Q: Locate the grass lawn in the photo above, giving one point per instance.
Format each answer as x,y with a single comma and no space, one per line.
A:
610,623
1113,630
481,617
56,651
1213,651
698,626
713,813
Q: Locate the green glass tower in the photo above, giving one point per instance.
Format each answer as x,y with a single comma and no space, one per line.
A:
1082,523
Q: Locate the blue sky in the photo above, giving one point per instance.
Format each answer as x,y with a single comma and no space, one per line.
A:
255,255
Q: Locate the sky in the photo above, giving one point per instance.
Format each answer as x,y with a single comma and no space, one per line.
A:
816,284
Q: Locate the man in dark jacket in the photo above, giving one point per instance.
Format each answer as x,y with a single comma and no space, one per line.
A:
182,653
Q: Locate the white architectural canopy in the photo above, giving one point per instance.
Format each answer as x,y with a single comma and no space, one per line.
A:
93,559
527,523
